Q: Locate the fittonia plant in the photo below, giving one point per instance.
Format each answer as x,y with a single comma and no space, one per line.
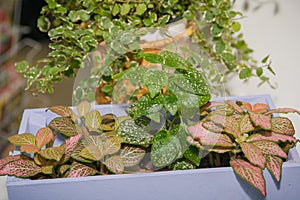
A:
171,125
254,138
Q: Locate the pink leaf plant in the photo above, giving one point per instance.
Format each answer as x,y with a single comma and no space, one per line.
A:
254,139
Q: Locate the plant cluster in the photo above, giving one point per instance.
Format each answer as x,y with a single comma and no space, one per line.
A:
254,138
76,28
172,124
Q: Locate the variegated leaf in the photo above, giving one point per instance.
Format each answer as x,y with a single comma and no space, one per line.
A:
211,126
47,169
76,154
249,173
237,108
83,108
97,140
133,134
92,152
270,148
64,125
270,136
112,145
131,155
211,104
39,160
21,139
81,170
43,137
64,168
246,125
274,165
209,138
70,145
29,148
261,120
62,111
225,109
93,120
208,148
9,159
165,149
253,154
53,153
282,125
232,125
114,164
21,168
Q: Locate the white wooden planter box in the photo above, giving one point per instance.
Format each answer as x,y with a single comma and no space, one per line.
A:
210,183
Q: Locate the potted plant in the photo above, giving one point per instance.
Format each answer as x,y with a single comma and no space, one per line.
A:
77,28
173,125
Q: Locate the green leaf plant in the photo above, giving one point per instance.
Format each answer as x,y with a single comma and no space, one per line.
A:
77,28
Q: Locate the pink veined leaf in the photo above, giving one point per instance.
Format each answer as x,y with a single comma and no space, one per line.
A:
70,145
209,138
29,148
250,173
274,165
271,136
208,148
53,153
237,108
211,126
282,125
112,145
21,139
21,168
283,110
231,124
81,170
225,109
114,164
9,159
132,156
261,120
260,107
253,154
218,119
62,111
246,125
92,152
43,137
211,104
64,125
270,148
83,108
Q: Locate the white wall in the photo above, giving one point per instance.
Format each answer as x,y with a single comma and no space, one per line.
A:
279,36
